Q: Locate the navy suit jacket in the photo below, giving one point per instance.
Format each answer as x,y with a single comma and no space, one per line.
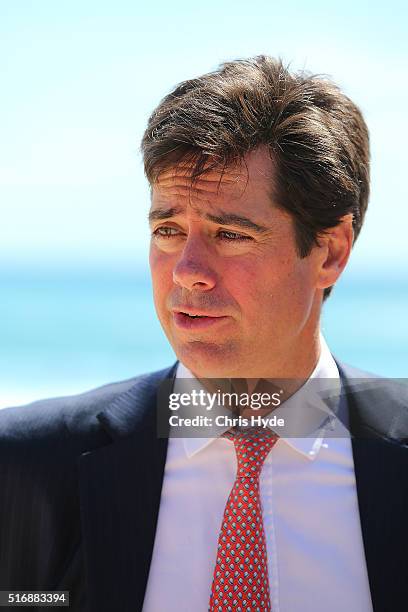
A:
81,478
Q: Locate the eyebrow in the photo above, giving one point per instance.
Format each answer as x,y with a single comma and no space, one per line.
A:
223,218
164,213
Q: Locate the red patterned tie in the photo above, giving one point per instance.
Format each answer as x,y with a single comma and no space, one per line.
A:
241,571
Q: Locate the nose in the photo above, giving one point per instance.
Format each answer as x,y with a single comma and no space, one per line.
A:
193,269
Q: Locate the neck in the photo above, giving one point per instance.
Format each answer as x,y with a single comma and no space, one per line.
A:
286,382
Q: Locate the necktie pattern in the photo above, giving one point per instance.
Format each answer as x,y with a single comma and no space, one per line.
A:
241,581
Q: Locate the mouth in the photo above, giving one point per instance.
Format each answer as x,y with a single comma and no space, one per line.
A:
195,320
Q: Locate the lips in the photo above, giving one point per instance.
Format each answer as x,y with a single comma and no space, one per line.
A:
196,319
196,312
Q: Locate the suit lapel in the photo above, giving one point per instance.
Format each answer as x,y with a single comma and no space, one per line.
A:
381,468
120,488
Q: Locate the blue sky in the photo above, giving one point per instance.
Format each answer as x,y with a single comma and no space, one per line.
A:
79,80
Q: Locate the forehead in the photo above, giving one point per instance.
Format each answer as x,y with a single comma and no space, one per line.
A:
252,180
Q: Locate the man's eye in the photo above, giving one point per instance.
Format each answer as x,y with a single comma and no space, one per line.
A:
232,236
166,232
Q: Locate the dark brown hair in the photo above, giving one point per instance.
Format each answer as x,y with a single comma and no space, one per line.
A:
316,136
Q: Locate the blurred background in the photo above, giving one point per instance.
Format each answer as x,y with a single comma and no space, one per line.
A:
79,80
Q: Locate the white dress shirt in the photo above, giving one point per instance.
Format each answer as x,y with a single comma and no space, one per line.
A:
315,551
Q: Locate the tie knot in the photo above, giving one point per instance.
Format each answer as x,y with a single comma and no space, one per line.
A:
252,446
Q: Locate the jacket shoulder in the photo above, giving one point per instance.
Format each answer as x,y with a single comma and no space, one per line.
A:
62,417
378,404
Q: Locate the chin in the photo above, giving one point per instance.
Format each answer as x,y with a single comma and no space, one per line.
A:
209,359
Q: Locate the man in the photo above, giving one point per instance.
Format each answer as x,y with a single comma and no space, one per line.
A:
259,182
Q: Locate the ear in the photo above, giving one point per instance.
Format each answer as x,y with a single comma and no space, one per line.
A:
336,244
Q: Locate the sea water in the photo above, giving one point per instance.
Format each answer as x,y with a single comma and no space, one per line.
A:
64,331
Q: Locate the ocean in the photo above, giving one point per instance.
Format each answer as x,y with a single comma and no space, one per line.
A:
69,330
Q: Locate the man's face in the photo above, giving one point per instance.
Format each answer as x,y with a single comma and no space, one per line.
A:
223,251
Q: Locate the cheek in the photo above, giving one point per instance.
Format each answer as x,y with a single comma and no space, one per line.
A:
161,270
270,289
244,281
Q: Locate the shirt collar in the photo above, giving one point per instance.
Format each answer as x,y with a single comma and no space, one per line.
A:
292,409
